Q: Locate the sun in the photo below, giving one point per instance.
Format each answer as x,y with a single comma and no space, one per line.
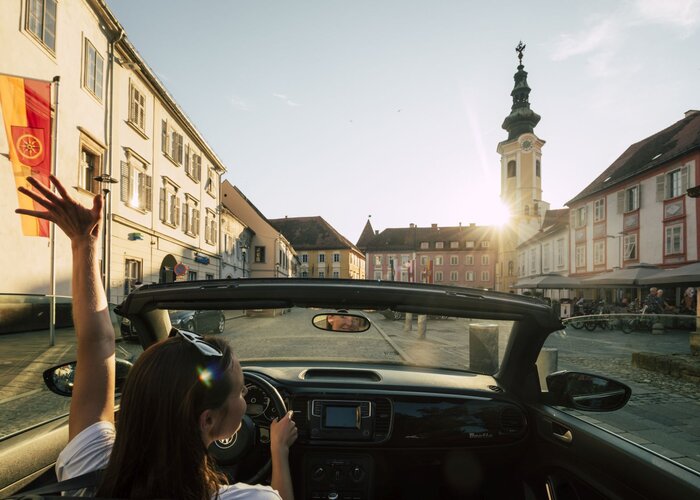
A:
496,214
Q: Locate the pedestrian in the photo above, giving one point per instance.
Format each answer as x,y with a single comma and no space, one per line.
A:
170,412
652,302
689,304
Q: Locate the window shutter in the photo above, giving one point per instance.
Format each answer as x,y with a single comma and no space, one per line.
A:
621,202
176,219
639,196
148,192
184,217
661,187
164,138
685,177
163,215
195,222
124,188
214,232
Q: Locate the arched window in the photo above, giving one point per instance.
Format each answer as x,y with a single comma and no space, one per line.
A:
511,168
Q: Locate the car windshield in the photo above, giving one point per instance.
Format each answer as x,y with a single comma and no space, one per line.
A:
392,337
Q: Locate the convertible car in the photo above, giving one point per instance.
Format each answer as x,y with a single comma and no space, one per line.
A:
450,397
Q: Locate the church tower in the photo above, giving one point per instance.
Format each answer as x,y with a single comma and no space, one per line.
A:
521,177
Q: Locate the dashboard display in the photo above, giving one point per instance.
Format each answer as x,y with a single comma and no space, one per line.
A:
341,417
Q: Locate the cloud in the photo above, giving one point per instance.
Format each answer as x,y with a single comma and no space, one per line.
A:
676,13
238,103
601,35
286,99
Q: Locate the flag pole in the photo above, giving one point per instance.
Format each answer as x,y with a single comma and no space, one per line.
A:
52,227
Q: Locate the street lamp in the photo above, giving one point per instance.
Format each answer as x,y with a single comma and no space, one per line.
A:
105,180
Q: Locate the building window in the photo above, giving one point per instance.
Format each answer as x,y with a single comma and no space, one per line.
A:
485,260
169,204
210,186
41,21
92,71
672,184
210,228
136,185
424,260
321,274
404,260
137,107
304,258
259,255
628,200
469,276
674,240
533,260
438,260
454,276
599,210
469,260
512,170
190,217
191,275
538,168
470,244
377,260
171,143
439,244
484,244
546,257
90,167
209,276
322,258
454,244
630,247
424,244
377,275
336,274
580,256
580,215
485,276
454,260
304,274
193,164
133,274
560,253
599,253
336,257
438,276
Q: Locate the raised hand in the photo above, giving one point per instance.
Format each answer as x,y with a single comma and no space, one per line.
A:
74,219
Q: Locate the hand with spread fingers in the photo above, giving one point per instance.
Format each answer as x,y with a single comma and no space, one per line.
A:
74,219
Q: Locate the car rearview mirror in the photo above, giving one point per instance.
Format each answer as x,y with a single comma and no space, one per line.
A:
583,391
341,322
59,379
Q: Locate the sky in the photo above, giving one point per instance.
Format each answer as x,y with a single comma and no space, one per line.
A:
393,108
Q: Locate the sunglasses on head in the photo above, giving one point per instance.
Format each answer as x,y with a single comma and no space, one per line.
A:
198,341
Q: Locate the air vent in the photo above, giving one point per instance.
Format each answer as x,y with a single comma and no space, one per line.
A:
339,374
382,423
512,420
495,388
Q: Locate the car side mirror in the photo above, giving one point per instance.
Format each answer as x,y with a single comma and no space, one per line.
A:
583,391
59,379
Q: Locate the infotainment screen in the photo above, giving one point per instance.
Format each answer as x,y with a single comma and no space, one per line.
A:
341,417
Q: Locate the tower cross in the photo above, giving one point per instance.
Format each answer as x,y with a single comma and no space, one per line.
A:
519,49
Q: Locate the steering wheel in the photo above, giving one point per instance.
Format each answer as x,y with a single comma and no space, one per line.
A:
232,450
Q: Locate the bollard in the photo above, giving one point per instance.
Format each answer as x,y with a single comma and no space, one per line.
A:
408,322
422,323
483,348
547,363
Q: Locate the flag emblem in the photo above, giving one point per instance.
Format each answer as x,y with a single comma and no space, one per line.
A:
29,144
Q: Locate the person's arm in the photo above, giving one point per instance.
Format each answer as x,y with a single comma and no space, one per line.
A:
283,433
93,390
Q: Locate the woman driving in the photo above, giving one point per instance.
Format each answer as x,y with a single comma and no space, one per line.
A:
181,395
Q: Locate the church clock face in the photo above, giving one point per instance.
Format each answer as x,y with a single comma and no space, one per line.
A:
526,145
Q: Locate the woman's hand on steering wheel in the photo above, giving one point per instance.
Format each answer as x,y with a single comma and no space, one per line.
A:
283,433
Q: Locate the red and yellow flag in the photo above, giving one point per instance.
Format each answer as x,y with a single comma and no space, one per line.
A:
26,113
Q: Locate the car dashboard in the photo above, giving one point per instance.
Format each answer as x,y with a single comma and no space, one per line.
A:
386,432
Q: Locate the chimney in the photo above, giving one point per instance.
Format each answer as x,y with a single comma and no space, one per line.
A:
376,231
433,226
691,112
411,225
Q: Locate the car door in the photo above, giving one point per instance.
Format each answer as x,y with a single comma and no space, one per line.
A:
647,449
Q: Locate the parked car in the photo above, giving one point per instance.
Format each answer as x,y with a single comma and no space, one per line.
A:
192,321
463,412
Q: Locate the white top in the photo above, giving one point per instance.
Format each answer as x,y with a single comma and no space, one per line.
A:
90,450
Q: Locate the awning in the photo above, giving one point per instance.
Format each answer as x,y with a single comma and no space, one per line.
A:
688,274
629,276
549,281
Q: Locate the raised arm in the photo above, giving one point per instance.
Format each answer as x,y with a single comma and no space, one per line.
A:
93,392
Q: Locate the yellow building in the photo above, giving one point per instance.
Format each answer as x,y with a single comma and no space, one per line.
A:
322,251
521,179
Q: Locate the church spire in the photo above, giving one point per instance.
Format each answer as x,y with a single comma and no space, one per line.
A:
521,119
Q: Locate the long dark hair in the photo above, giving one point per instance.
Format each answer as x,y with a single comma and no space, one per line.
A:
159,452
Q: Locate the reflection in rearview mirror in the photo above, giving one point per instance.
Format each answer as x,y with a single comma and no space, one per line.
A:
341,322
59,379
